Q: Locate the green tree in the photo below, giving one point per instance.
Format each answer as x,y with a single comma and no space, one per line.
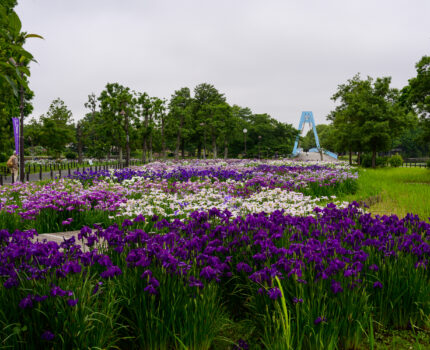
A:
369,116
144,110
94,131
179,117
117,112
209,106
416,95
159,117
57,128
14,71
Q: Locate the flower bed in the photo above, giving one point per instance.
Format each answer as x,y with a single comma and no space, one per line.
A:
206,255
172,190
212,280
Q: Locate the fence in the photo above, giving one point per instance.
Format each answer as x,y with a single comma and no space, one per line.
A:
34,172
415,162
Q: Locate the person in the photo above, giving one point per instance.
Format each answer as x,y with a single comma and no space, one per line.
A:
12,164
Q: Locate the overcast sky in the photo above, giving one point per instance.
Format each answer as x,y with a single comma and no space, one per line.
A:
276,57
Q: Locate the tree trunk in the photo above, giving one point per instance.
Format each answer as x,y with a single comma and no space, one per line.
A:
199,151
144,149
225,148
178,138
150,148
359,158
163,140
373,159
214,146
145,146
183,149
350,157
79,143
21,133
120,154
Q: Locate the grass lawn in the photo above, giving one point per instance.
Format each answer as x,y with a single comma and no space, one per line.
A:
394,191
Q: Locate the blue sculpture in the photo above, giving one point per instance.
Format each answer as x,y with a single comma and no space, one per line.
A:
308,117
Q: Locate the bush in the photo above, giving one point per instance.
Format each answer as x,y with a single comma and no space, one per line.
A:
366,161
396,160
428,164
71,155
3,157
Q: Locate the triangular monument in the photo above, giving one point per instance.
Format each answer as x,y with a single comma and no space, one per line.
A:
308,117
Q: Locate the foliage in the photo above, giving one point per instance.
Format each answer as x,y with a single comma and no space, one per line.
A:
366,161
14,72
326,136
71,155
369,116
56,128
395,160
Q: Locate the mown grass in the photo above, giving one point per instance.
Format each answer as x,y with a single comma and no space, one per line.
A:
396,191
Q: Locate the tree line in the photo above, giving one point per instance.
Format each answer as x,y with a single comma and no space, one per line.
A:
198,124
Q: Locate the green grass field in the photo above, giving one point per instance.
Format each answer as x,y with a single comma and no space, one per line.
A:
394,191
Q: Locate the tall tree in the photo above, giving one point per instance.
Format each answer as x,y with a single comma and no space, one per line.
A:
208,106
116,109
159,118
14,65
144,108
179,115
369,116
417,94
57,128
94,130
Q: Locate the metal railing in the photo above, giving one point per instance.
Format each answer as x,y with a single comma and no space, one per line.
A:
37,172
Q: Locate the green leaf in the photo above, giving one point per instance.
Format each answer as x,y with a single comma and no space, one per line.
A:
24,70
34,36
14,23
12,84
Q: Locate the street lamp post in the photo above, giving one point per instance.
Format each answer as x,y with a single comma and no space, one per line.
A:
204,139
127,139
259,141
244,134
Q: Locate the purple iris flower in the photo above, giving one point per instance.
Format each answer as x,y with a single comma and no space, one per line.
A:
274,293
377,284
72,302
111,272
320,319
336,287
26,303
47,335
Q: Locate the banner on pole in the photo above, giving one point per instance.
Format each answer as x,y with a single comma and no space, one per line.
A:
15,123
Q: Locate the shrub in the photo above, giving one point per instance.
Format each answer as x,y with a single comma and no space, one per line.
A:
428,164
396,160
366,161
71,155
3,157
